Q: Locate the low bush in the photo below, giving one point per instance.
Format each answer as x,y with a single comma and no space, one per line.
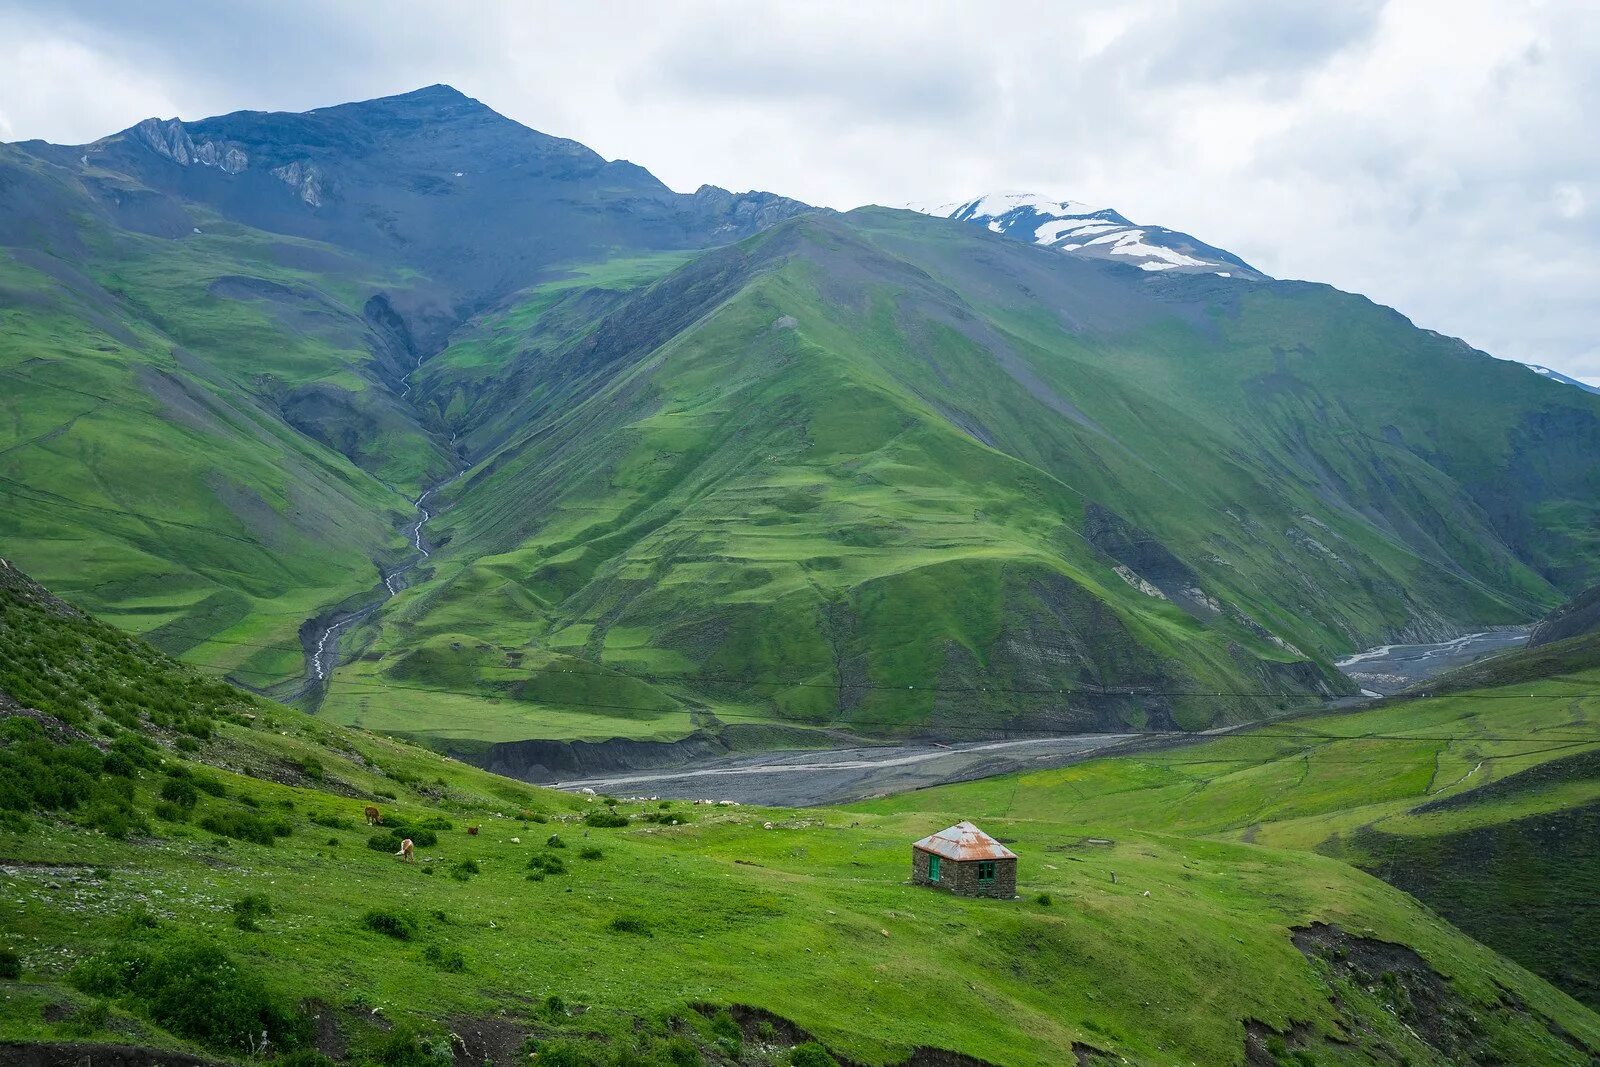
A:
464,870
245,826
554,841
10,965
664,818
400,925
404,1047
445,959
591,853
727,1032
250,908
627,924
811,1054
180,792
195,990
544,863
606,819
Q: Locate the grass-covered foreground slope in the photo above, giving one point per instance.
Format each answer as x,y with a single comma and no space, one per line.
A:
894,473
186,867
203,876
1483,803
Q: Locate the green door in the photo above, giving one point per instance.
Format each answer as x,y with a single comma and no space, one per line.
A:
933,868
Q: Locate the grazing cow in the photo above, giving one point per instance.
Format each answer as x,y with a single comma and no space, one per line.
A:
472,831
374,816
405,852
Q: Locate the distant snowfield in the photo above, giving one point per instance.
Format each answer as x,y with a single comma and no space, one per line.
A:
1072,226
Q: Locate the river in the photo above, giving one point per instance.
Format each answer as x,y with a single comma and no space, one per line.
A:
1388,669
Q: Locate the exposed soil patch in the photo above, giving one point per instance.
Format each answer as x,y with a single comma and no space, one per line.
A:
1423,1001
480,1039
64,1054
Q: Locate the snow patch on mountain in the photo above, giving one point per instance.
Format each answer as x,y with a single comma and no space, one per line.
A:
1074,227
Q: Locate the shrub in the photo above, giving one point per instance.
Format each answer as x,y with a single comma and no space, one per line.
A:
627,924
726,1030
543,863
249,908
168,812
311,767
606,819
332,822
538,817
91,1018
244,826
402,926
565,1052
1044,900
445,959
180,792
10,965
195,990
404,1047
664,818
554,841
212,786
555,1007
811,1054
114,817
464,870
591,853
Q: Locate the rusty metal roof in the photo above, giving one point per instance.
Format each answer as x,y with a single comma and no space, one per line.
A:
964,841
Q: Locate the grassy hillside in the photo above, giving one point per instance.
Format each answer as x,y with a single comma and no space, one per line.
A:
887,472
874,471
1481,803
197,438
230,844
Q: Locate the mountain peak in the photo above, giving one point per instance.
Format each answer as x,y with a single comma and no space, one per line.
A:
1077,228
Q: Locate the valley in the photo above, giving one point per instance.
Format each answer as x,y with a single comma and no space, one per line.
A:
464,601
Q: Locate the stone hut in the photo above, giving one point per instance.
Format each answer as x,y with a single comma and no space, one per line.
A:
963,859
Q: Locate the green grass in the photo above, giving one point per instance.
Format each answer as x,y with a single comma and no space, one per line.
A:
148,468
1156,947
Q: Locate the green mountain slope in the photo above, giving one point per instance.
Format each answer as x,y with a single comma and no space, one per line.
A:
891,472
876,470
197,440
1482,804
213,881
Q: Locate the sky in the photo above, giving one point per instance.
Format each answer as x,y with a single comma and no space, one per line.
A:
1439,156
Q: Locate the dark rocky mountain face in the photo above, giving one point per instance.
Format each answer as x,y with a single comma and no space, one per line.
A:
430,180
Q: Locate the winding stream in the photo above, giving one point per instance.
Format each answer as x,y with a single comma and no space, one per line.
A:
323,654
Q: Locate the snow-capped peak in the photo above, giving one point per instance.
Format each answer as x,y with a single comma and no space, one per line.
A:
1072,226
1557,376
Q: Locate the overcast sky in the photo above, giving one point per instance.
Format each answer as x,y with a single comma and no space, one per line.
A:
1442,157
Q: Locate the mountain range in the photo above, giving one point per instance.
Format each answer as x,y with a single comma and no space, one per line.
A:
461,431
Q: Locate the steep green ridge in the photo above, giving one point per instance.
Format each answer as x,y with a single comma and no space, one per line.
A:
208,331
728,461
891,472
1481,803
195,438
242,858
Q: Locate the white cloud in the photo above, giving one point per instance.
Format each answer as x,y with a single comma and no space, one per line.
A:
1437,155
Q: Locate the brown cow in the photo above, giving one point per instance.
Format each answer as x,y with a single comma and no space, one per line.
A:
405,851
374,816
472,831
